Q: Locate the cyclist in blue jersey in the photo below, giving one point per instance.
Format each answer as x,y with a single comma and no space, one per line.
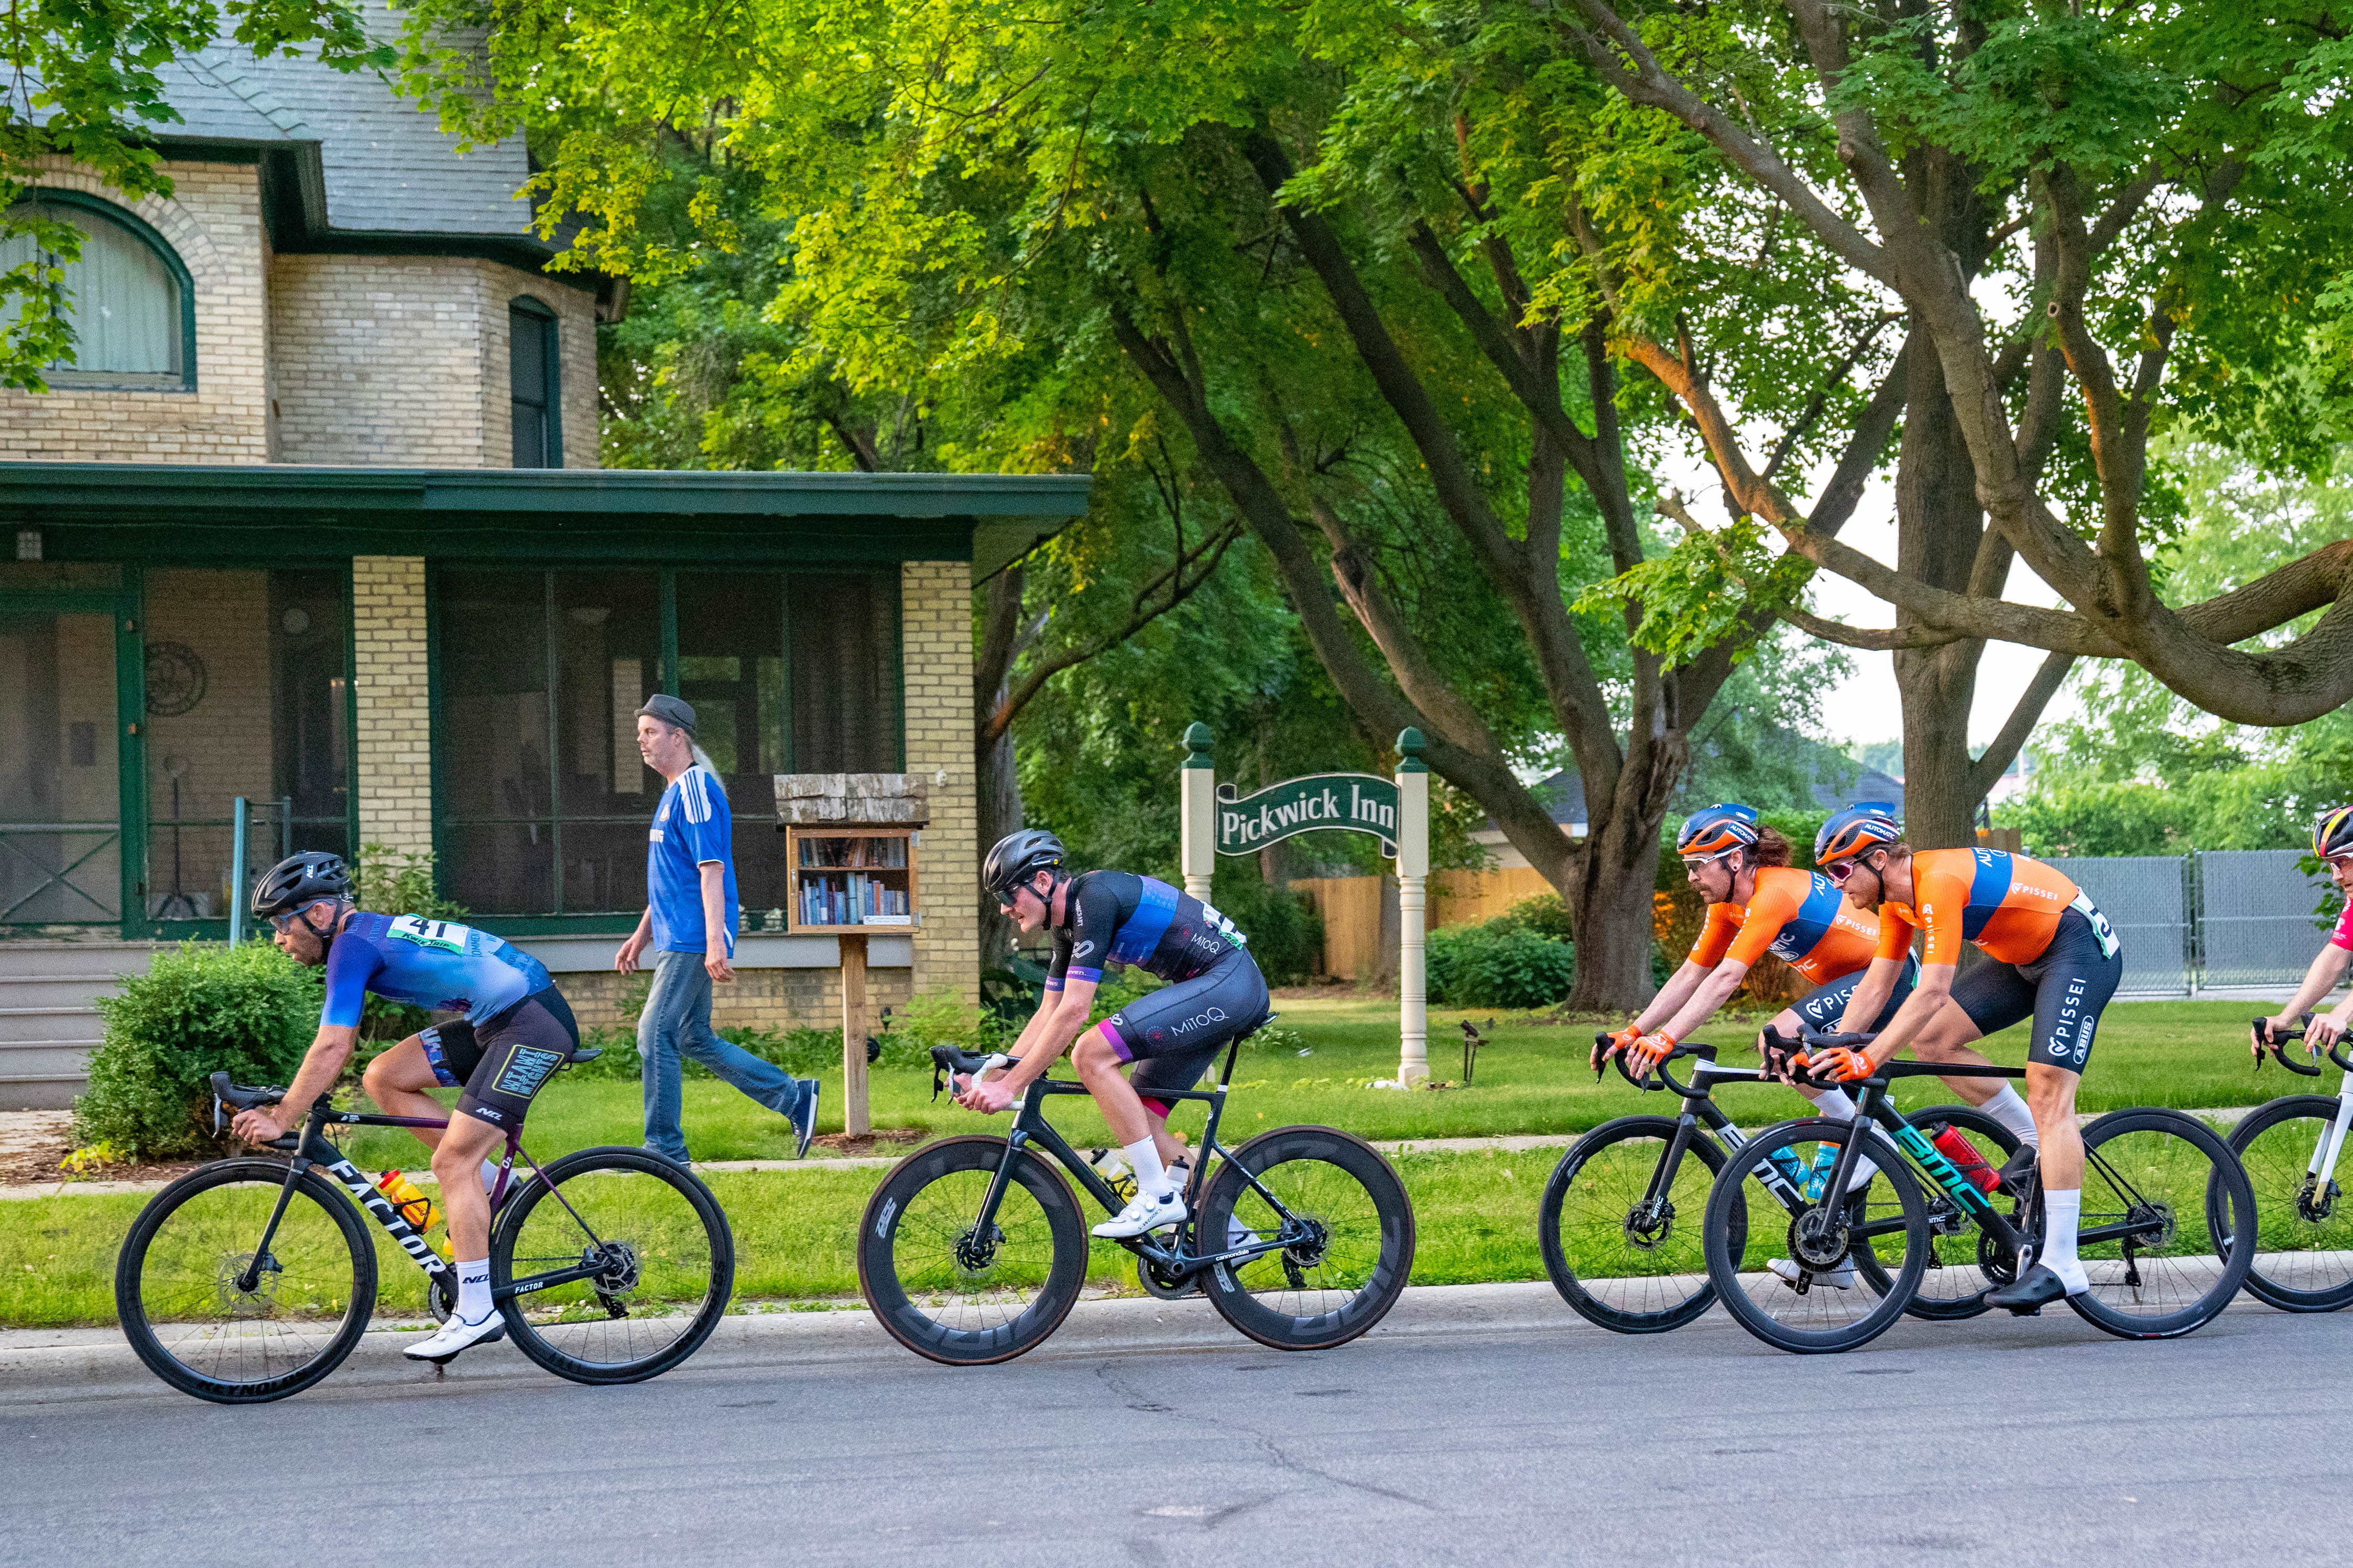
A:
517,1030
1170,1036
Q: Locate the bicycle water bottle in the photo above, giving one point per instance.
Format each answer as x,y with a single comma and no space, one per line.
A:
1965,1159
421,1211
1111,1165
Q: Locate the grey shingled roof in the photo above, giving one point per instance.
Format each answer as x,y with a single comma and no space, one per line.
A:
387,166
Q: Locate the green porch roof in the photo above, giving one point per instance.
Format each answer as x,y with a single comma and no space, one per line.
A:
201,513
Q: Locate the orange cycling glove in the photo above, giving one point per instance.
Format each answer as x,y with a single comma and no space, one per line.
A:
1838,1062
1649,1051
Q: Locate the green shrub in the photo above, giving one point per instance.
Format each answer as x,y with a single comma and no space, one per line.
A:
1546,914
202,1008
1502,964
1286,933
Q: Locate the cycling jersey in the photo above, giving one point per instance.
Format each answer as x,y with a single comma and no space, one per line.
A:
2007,904
2343,935
438,964
1118,917
1799,917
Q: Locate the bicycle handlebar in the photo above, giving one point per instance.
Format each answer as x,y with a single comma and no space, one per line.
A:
2283,1036
1658,1068
947,1062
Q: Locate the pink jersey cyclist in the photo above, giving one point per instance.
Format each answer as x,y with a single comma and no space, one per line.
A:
2332,842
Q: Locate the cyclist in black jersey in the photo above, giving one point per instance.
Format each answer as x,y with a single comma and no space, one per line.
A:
1170,1036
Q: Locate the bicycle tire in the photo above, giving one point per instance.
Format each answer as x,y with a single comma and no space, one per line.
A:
139,1281
946,1273
2291,1238
1649,1235
1733,1282
1953,1282
633,1226
2115,1187
1365,1279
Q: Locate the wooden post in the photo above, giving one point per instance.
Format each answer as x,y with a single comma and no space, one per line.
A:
1197,822
854,1118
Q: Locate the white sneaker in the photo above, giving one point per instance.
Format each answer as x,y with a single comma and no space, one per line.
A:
456,1335
1143,1213
1839,1278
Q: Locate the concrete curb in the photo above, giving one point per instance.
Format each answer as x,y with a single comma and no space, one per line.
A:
43,1365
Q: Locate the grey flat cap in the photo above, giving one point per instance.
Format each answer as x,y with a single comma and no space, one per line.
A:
672,710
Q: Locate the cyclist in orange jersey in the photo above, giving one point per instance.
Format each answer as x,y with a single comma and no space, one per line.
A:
1756,903
2057,960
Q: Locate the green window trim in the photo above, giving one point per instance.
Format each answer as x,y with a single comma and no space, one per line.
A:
149,236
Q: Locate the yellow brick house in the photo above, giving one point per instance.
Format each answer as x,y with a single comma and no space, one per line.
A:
316,522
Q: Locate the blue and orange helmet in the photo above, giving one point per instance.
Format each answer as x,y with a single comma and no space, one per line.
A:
1714,830
1857,828
2332,833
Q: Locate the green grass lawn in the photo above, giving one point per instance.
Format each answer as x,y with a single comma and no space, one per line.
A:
1475,1213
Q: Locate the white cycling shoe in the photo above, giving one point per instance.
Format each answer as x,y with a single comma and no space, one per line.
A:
456,1335
1143,1213
1839,1278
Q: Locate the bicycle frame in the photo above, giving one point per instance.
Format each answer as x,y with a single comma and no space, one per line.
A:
311,1148
1699,1111
1031,1129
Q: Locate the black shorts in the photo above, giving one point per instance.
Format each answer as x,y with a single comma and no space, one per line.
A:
1173,1035
1822,1008
2063,991
505,1059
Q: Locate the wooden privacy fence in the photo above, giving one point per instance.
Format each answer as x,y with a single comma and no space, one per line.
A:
1360,912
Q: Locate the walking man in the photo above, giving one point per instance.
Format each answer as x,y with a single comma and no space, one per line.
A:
690,929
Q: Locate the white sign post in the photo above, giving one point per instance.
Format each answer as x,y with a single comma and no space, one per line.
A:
1397,813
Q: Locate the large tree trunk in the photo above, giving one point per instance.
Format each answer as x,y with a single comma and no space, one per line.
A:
1609,906
1939,530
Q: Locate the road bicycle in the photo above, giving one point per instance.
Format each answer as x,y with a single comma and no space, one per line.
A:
2304,1247
2165,1234
1616,1220
251,1278
973,1249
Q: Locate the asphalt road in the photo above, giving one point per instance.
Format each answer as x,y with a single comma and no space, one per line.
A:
1985,1442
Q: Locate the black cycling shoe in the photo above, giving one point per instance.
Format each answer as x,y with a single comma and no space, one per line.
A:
2031,1295
2021,1170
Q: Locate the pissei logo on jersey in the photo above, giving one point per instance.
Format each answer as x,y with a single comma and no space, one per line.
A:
442,936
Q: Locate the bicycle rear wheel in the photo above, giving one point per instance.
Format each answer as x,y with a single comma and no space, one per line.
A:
664,1261
2169,1226
1829,1304
214,1314
1624,1258
1350,1225
946,1288
2304,1239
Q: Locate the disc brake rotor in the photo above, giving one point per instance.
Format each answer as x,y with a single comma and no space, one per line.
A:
235,1299
1818,1238
1648,1225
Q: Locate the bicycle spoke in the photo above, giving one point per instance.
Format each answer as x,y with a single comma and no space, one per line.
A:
2146,1244
2305,1223
1634,1254
657,1267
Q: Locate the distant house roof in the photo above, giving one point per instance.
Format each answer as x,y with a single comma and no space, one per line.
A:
346,164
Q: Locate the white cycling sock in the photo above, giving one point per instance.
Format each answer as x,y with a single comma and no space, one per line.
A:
474,1289
1834,1102
490,1178
2009,1109
2062,1211
1151,1175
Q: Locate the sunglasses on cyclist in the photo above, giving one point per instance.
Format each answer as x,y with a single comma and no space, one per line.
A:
1707,859
1839,871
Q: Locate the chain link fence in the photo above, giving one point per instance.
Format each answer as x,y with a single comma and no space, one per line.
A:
2206,921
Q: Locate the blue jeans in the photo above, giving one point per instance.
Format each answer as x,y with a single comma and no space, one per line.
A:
677,1017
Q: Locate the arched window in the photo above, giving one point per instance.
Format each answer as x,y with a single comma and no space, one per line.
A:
535,384
128,299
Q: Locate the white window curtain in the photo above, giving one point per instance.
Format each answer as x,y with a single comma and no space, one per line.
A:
122,301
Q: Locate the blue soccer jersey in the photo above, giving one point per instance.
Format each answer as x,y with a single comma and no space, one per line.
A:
692,828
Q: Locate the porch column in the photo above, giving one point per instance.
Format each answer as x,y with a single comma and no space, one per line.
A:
394,738
935,642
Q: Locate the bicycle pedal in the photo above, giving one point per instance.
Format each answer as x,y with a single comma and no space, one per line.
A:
2026,1312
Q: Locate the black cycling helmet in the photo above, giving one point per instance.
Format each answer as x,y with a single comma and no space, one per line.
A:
1017,858
300,880
2332,833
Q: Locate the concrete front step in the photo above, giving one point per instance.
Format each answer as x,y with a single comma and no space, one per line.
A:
105,962
44,1025
54,990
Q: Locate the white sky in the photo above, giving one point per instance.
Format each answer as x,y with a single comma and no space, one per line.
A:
1865,706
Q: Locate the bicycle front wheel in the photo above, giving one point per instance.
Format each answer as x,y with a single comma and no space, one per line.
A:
947,1287
1623,1251
2304,1241
1798,1286
622,1264
1347,1226
2169,1226
214,1313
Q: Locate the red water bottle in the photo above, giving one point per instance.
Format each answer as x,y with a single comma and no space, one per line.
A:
1965,1159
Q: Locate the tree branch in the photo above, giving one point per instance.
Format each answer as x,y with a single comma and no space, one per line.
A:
1996,759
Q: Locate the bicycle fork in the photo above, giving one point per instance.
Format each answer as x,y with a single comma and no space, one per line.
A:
2319,1195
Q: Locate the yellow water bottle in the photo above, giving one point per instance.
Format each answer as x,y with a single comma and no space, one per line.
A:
421,1213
